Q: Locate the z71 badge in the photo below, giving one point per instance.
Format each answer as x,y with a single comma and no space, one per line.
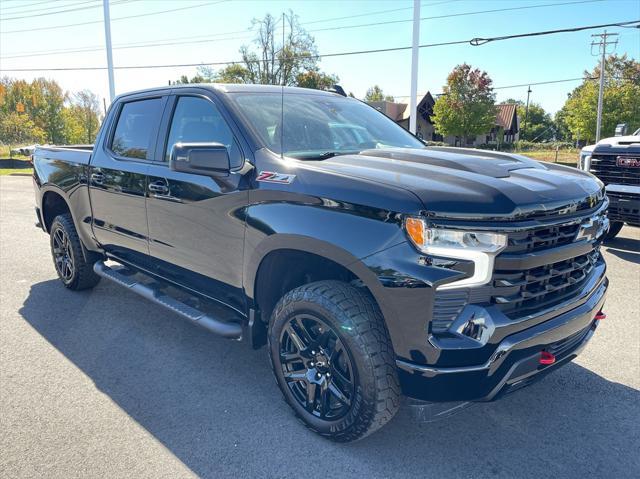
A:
271,177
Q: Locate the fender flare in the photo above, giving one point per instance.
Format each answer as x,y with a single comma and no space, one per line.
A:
305,244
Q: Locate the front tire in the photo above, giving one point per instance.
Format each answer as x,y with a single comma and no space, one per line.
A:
73,269
333,360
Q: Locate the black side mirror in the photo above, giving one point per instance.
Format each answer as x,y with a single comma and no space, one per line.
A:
210,159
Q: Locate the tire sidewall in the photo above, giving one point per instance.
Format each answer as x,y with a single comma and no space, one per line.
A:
363,403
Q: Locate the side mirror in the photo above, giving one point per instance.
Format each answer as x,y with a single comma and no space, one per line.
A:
210,159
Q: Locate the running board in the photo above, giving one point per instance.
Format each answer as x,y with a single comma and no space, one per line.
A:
222,328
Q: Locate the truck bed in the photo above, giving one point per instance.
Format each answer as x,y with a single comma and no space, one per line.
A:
77,154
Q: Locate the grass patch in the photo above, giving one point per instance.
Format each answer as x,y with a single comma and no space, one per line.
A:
565,157
15,171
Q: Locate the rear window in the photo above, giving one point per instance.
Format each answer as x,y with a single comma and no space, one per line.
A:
137,123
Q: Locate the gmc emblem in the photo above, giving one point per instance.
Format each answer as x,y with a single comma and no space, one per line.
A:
627,162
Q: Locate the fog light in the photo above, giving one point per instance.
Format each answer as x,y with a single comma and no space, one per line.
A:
600,316
546,358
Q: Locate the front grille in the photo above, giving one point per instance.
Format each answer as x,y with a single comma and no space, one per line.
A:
605,168
624,207
541,287
538,239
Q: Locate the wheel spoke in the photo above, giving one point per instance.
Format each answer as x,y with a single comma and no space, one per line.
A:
286,358
335,390
325,400
295,337
295,376
311,396
305,334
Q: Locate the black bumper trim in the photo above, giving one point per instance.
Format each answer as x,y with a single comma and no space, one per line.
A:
513,362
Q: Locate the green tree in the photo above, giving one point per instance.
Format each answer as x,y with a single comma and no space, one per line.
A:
316,79
539,125
621,100
17,128
375,93
86,108
467,106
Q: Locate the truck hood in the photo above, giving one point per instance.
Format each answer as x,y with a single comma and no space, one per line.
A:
473,184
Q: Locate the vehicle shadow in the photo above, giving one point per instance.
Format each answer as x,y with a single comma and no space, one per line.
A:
627,249
214,405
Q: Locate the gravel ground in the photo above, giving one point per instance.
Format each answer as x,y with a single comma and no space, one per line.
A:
103,383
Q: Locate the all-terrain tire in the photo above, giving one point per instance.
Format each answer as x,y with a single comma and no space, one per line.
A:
614,229
75,272
356,320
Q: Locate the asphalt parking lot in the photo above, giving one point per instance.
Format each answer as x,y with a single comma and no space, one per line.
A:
105,384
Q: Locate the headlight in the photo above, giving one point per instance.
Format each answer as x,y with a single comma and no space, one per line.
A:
477,246
584,161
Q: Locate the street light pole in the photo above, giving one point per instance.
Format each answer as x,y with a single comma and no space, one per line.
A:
413,101
526,111
602,44
107,36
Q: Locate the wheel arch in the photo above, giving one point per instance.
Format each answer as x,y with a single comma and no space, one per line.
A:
288,258
54,203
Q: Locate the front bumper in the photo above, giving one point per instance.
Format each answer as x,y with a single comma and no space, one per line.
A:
515,362
624,204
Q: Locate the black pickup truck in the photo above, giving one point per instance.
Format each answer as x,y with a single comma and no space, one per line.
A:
369,264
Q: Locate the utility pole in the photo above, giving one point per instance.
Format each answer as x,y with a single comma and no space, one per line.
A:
107,36
526,110
413,102
602,46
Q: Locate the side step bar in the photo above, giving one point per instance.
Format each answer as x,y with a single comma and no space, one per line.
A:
225,329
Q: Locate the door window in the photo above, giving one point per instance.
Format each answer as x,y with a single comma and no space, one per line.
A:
137,124
197,120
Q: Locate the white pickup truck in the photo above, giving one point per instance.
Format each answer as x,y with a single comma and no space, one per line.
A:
616,162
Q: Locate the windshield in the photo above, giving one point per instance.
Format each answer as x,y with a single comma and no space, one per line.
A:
320,126
637,133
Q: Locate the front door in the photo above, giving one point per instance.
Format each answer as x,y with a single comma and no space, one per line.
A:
196,223
118,177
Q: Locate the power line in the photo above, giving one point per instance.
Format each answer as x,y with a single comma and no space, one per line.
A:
55,6
474,42
20,5
64,11
53,27
166,43
451,15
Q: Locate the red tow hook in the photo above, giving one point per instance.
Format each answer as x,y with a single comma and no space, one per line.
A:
600,316
546,358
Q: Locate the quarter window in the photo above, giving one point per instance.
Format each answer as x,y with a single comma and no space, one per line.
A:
137,123
197,120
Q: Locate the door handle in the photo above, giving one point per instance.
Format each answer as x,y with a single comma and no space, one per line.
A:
159,187
97,178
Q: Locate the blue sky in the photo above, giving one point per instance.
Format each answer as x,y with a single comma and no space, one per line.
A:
510,62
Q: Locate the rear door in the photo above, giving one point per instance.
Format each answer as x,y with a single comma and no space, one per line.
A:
196,222
118,177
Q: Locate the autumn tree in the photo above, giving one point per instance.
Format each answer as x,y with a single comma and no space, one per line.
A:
375,93
467,107
621,99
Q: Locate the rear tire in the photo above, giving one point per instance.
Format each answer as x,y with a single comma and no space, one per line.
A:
73,269
333,361
614,229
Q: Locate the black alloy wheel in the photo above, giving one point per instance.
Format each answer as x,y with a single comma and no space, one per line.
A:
73,263
317,367
62,255
333,359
